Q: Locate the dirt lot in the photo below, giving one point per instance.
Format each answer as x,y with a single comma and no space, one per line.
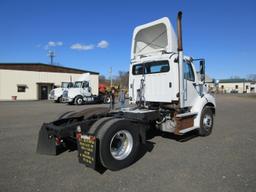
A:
224,161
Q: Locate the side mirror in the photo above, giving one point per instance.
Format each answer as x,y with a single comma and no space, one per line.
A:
202,70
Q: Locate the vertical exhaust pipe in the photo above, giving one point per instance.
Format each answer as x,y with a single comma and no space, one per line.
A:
180,55
179,28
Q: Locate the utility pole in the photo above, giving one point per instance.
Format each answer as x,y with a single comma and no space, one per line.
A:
51,54
110,76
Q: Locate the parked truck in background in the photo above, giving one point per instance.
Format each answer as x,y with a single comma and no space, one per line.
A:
81,92
56,94
166,93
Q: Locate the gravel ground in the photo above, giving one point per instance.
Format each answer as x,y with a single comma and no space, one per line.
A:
224,161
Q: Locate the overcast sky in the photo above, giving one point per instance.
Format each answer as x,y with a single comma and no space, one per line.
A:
96,35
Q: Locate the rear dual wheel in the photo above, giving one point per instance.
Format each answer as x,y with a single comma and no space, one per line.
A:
119,144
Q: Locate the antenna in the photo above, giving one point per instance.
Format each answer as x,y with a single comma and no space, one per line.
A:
51,54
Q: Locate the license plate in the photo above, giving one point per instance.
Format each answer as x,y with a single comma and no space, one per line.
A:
87,150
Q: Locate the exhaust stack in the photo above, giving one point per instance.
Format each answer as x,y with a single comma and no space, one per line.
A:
179,28
180,53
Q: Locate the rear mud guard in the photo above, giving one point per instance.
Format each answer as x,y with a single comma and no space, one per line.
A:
47,143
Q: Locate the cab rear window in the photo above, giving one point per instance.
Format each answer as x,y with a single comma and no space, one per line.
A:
151,68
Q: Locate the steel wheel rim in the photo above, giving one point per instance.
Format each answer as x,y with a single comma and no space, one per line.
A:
79,101
121,145
108,100
207,121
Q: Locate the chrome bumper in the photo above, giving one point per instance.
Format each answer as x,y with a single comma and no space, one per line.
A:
67,99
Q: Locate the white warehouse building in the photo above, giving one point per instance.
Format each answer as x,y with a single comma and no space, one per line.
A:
237,86
34,81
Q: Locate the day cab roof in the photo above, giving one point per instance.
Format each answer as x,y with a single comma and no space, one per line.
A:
84,77
153,38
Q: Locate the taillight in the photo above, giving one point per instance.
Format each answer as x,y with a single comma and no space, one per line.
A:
58,140
78,132
78,136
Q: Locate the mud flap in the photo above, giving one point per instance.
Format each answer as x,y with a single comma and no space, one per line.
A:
47,143
88,153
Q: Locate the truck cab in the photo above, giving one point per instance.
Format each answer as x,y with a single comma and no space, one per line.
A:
162,78
160,75
79,93
56,94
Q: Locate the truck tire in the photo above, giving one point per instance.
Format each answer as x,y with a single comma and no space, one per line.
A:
87,113
119,144
59,99
65,115
107,99
98,124
79,100
206,122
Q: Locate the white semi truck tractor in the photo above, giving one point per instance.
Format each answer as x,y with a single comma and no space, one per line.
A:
165,91
82,92
56,94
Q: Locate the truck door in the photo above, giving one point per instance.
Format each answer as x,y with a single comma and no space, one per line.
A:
190,88
86,91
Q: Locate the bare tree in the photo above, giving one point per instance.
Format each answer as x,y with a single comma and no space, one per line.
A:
251,77
102,79
235,77
122,80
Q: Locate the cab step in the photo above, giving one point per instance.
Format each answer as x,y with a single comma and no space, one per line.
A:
186,114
